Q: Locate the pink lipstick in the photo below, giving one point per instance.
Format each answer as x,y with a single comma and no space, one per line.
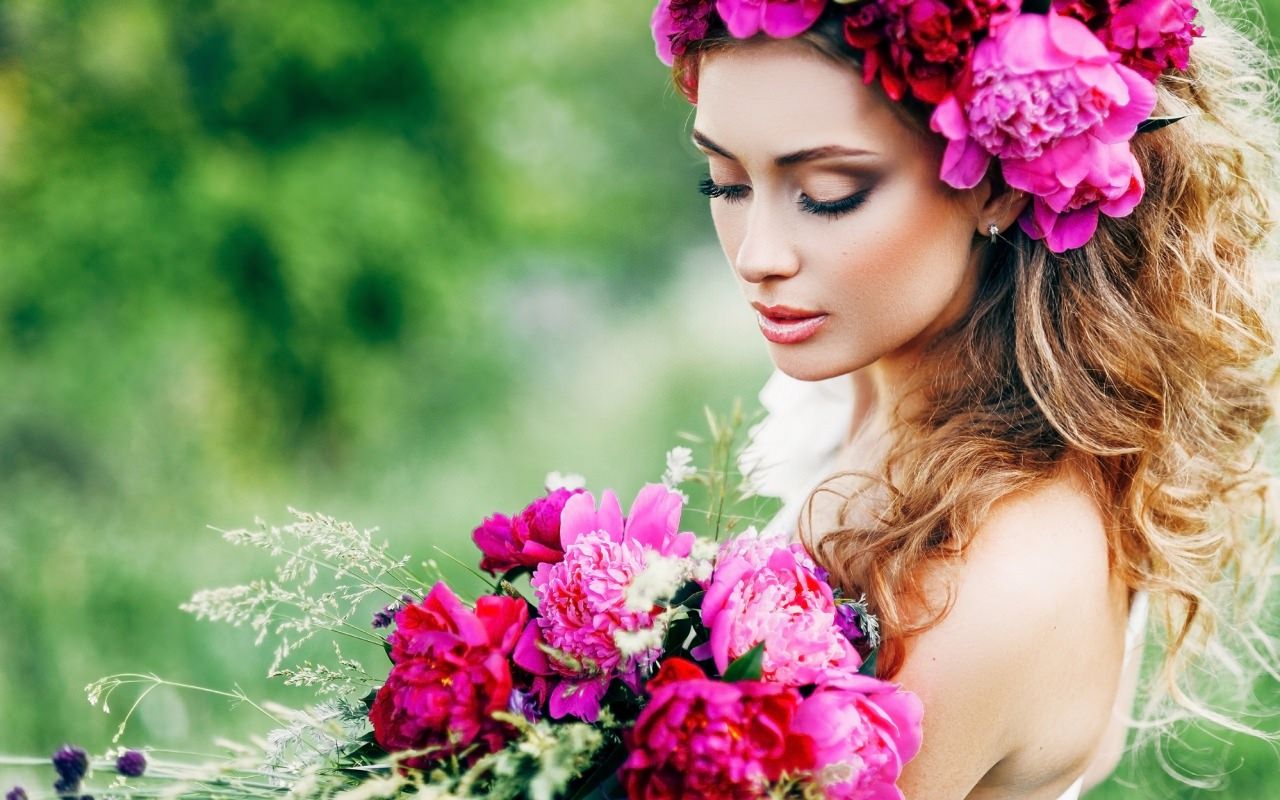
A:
786,325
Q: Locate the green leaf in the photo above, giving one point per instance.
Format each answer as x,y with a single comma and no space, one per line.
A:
1156,123
869,665
676,634
747,667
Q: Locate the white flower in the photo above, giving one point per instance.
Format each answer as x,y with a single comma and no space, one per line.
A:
571,481
679,467
630,643
661,577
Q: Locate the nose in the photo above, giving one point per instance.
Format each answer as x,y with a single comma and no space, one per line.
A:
767,249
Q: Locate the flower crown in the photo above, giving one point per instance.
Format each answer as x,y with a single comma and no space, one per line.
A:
1053,93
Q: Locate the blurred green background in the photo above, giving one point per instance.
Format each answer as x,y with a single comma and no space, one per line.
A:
391,261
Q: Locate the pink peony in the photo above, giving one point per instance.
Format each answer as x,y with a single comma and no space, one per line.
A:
1040,88
677,23
765,589
1084,177
582,599
526,540
863,731
1150,36
780,19
700,738
921,45
451,673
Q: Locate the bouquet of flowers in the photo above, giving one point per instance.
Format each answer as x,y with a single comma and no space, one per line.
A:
615,655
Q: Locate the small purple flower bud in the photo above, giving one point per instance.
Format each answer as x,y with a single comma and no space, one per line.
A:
524,703
16,793
72,763
387,615
847,621
131,764
821,574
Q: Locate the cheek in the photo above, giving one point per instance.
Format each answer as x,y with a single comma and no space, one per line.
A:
898,269
728,222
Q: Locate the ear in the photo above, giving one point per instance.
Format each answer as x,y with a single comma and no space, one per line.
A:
1002,207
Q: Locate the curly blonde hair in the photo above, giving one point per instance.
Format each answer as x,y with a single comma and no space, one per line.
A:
1146,358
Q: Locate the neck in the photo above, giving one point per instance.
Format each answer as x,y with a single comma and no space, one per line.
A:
878,396
886,389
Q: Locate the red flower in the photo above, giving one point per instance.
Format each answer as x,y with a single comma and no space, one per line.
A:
678,23
920,45
526,540
702,738
452,671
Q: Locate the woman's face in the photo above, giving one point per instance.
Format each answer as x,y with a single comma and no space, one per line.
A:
825,201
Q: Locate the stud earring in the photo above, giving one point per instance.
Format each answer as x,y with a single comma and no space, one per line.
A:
992,230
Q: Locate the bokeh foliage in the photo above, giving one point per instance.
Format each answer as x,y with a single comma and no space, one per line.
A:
388,260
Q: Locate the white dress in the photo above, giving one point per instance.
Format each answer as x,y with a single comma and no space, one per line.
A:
795,446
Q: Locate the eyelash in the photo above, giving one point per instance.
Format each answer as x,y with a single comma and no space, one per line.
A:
735,192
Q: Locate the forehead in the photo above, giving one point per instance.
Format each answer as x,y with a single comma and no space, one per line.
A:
762,94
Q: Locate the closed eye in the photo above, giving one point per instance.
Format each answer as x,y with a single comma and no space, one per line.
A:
730,191
834,208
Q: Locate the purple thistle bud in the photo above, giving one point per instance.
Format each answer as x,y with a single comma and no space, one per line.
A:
72,764
847,621
131,764
16,793
66,787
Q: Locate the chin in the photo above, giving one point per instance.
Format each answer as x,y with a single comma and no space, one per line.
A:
817,366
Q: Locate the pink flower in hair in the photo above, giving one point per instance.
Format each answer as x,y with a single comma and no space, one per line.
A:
1040,88
780,19
1150,36
1073,184
676,23
582,599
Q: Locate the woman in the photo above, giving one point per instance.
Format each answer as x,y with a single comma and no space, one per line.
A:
1022,342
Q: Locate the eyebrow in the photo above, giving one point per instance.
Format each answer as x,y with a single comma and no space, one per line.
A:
789,159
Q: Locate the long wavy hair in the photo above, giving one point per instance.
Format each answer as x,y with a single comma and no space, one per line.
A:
1146,358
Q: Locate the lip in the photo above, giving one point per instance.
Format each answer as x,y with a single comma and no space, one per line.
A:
789,331
785,312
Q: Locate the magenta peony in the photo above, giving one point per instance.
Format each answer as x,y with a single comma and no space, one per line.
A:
1084,177
530,538
863,731
451,673
582,599
676,23
1150,36
442,622
780,19
701,738
920,45
1042,93
765,589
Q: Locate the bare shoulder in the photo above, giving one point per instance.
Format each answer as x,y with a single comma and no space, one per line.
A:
1016,678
